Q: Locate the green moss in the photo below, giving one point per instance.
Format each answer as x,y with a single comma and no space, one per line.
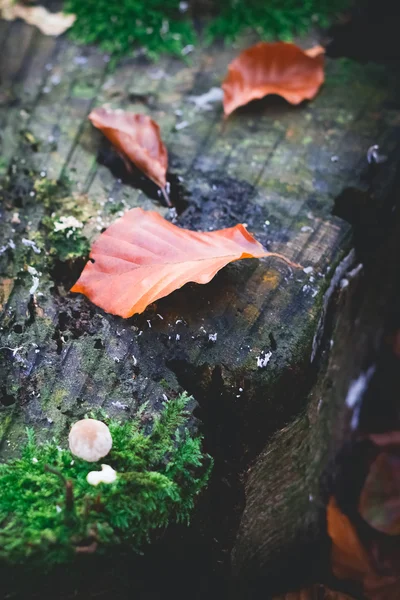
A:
113,208
49,191
273,19
158,26
66,243
155,25
48,510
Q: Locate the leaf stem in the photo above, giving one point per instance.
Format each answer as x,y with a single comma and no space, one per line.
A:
166,197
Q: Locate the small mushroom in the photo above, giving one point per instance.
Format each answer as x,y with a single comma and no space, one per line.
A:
106,475
90,440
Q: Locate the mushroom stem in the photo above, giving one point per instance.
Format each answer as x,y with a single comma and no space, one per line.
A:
69,492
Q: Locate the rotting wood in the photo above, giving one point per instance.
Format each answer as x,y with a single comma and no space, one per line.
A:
322,452
272,166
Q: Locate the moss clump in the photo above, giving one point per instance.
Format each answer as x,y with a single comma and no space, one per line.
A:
273,19
155,25
65,239
165,26
48,511
49,191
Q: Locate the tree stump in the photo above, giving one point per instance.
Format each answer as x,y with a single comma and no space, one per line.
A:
241,345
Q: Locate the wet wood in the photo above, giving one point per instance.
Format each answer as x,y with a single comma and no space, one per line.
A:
275,167
324,452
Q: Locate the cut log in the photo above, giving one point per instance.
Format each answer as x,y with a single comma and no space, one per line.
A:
240,345
325,452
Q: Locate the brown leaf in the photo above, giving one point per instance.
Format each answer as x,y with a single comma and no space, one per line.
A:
379,502
273,68
142,257
49,23
137,138
351,561
387,438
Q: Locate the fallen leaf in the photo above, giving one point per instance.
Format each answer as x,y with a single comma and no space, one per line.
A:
142,257
315,592
350,560
49,23
273,68
137,138
388,438
379,502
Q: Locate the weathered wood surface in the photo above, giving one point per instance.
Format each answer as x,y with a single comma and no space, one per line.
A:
324,451
270,165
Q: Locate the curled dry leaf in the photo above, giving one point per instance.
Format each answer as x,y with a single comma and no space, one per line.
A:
142,257
273,68
315,592
137,138
351,561
379,502
49,23
388,438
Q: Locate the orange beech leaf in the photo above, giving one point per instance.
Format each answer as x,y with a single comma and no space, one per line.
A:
137,138
273,68
351,561
315,592
142,257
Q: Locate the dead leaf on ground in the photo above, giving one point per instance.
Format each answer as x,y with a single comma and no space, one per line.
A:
350,560
142,257
386,439
49,23
273,68
379,502
315,592
137,139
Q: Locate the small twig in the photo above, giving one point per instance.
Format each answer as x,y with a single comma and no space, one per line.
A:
69,492
13,350
90,549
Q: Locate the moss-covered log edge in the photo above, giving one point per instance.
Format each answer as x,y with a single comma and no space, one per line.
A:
49,513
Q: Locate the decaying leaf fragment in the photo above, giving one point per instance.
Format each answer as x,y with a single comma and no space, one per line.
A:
137,139
379,502
273,68
142,257
6,287
49,23
350,560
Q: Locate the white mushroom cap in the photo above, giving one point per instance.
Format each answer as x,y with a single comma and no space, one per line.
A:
106,475
90,439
